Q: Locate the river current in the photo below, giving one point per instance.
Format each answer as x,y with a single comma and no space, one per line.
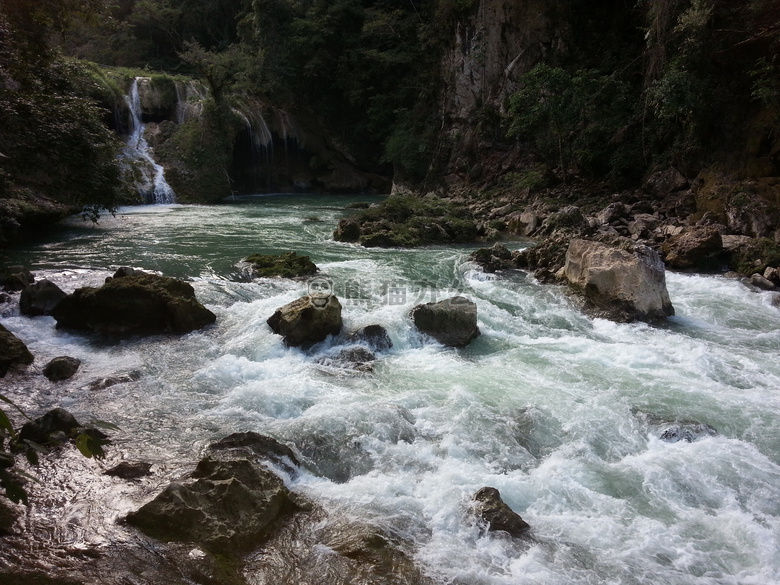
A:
563,413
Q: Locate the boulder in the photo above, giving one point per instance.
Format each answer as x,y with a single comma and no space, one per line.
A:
452,322
694,247
144,305
123,271
612,213
347,230
229,506
662,183
772,274
523,223
356,358
374,336
61,368
288,265
15,278
759,281
498,257
307,320
622,281
40,298
13,351
568,220
496,514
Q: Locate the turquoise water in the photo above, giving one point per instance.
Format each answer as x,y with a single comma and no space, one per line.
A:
560,412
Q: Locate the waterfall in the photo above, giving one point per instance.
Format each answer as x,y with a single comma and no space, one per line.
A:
161,191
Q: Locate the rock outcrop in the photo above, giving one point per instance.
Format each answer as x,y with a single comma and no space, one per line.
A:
40,298
451,322
307,320
134,305
694,247
13,351
621,281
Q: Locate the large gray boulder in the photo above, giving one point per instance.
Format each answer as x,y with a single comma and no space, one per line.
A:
145,304
620,280
452,322
13,351
307,320
40,298
228,507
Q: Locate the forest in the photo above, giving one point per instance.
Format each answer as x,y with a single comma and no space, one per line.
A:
603,93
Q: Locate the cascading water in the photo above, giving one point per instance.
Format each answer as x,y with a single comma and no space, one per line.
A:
564,414
161,191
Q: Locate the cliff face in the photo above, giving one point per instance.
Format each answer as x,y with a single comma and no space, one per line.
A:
492,47
499,42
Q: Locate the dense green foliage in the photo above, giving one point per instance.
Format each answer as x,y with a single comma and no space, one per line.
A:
54,139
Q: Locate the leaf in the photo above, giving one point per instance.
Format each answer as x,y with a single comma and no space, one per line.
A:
5,423
101,424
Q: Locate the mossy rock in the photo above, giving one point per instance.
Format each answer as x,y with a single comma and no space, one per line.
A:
754,257
288,265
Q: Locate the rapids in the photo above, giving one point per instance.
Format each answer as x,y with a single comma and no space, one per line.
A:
562,413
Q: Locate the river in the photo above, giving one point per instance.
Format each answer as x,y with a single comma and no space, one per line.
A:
562,413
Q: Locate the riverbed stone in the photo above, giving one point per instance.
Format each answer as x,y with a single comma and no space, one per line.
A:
130,470
61,368
15,278
620,280
134,305
40,298
497,257
451,322
496,514
13,352
307,320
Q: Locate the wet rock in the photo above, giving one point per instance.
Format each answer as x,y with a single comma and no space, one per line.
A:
545,259
8,515
496,514
498,257
107,382
40,298
288,265
356,358
134,305
759,281
688,431
13,351
694,247
124,271
374,336
229,507
61,368
347,230
15,278
452,322
130,470
662,183
5,298
263,447
308,320
54,428
621,281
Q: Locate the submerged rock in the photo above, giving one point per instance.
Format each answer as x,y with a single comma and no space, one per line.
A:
230,506
145,305
40,298
452,322
288,265
130,470
496,514
61,368
307,320
13,351
356,358
688,431
621,281
56,427
107,382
